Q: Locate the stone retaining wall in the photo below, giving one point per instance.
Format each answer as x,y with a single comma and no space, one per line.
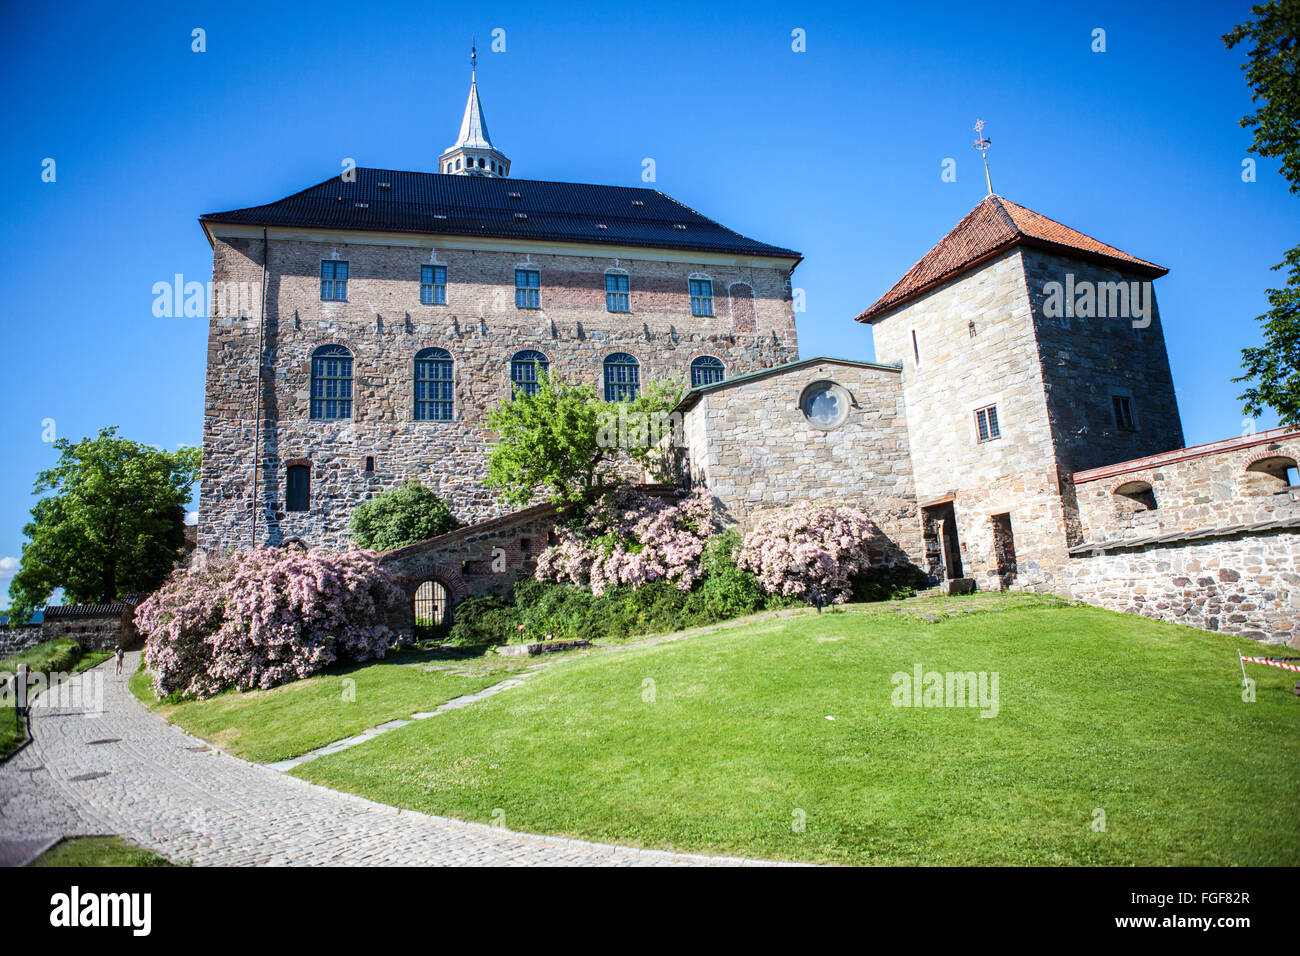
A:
15,639
1244,584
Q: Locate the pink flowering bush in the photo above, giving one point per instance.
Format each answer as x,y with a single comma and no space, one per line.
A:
264,617
809,551
631,538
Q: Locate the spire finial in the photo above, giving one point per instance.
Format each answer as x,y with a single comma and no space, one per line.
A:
983,144
473,56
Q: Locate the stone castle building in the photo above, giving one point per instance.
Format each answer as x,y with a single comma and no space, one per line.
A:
395,309
1019,428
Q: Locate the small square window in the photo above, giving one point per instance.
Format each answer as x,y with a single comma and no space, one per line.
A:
986,423
433,285
528,289
334,280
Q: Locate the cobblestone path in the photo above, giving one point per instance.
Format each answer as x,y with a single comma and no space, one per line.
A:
112,767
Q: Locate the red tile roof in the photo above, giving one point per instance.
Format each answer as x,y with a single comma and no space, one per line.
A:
992,227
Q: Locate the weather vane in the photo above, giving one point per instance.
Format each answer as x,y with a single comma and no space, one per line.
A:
983,144
473,54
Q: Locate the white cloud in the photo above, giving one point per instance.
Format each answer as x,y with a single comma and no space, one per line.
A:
8,568
191,517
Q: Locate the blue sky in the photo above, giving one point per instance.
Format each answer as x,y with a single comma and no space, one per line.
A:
835,151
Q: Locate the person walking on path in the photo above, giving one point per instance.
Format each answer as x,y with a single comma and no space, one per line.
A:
118,654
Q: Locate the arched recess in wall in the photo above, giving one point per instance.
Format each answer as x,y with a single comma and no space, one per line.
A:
1135,496
1271,474
744,317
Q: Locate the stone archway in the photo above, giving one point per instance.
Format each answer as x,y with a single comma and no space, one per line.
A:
432,592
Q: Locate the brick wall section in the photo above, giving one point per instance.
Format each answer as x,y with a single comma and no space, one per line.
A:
383,324
750,447
1246,584
1193,490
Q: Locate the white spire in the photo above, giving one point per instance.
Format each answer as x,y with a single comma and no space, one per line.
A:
473,153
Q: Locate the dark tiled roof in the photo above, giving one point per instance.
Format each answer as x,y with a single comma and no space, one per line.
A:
442,204
992,227
58,611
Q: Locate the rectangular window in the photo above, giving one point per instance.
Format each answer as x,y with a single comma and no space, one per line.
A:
297,492
986,423
433,285
701,296
528,289
1122,405
616,292
334,280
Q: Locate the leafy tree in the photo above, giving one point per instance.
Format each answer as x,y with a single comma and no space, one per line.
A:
1273,72
1275,366
401,516
113,524
568,441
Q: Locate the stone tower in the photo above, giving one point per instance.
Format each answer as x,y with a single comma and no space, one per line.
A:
1029,351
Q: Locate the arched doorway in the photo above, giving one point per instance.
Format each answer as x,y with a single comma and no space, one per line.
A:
432,610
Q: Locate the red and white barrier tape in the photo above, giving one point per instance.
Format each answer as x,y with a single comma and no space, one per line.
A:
1275,662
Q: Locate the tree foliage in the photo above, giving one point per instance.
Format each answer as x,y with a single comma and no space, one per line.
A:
112,523
1274,367
566,441
1273,72
401,516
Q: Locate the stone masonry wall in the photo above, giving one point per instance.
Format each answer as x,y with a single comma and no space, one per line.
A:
1087,360
753,450
974,347
1246,584
101,632
15,639
960,371
1203,489
383,324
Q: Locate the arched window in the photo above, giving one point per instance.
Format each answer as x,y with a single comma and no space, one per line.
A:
526,369
433,398
706,370
622,377
331,383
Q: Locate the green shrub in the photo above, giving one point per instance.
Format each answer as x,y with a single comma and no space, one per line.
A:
727,590
401,516
891,583
483,620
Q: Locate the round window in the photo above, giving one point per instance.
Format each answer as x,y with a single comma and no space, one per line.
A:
825,404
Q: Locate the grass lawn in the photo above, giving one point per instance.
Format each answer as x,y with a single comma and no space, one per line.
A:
285,721
62,656
98,851
721,743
